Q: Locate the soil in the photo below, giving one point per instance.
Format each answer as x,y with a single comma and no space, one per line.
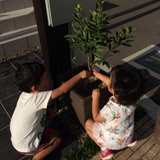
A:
85,86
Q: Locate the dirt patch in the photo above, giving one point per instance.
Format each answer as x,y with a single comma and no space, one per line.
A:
85,86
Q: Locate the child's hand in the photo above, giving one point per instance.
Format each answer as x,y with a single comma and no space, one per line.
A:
95,73
85,74
96,93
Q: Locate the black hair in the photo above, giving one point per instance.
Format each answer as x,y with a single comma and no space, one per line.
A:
28,75
128,84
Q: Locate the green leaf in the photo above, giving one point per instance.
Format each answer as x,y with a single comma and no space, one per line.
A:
99,50
109,55
109,18
82,15
82,48
96,55
98,46
106,23
106,63
90,12
123,41
84,34
93,43
124,31
88,35
127,44
102,37
78,28
134,29
88,50
69,36
69,39
74,46
85,28
93,23
73,59
73,28
81,4
130,37
117,35
78,6
75,16
97,61
102,43
127,31
129,40
101,28
94,13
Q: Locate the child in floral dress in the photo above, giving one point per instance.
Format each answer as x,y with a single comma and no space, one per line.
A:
112,127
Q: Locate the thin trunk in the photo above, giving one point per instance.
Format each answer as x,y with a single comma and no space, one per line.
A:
89,62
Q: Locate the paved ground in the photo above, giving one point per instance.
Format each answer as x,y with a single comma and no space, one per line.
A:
143,15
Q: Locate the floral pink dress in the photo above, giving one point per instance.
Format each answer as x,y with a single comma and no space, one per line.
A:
117,131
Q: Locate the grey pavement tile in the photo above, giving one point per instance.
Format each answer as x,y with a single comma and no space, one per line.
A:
10,103
29,57
6,69
28,3
4,119
8,87
7,151
12,5
1,8
25,21
2,55
16,46
69,142
33,41
7,25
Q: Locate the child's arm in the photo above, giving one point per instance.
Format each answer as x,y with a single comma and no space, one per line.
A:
65,87
102,77
95,106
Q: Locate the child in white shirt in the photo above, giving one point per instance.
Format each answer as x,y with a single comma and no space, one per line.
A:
112,127
29,135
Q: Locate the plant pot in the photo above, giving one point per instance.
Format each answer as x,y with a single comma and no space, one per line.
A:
157,128
81,107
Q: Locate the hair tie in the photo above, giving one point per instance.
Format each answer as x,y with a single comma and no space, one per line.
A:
147,74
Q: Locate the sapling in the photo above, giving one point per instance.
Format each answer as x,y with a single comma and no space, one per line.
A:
92,34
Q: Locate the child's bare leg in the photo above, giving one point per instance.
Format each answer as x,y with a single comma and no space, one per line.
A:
88,126
41,155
